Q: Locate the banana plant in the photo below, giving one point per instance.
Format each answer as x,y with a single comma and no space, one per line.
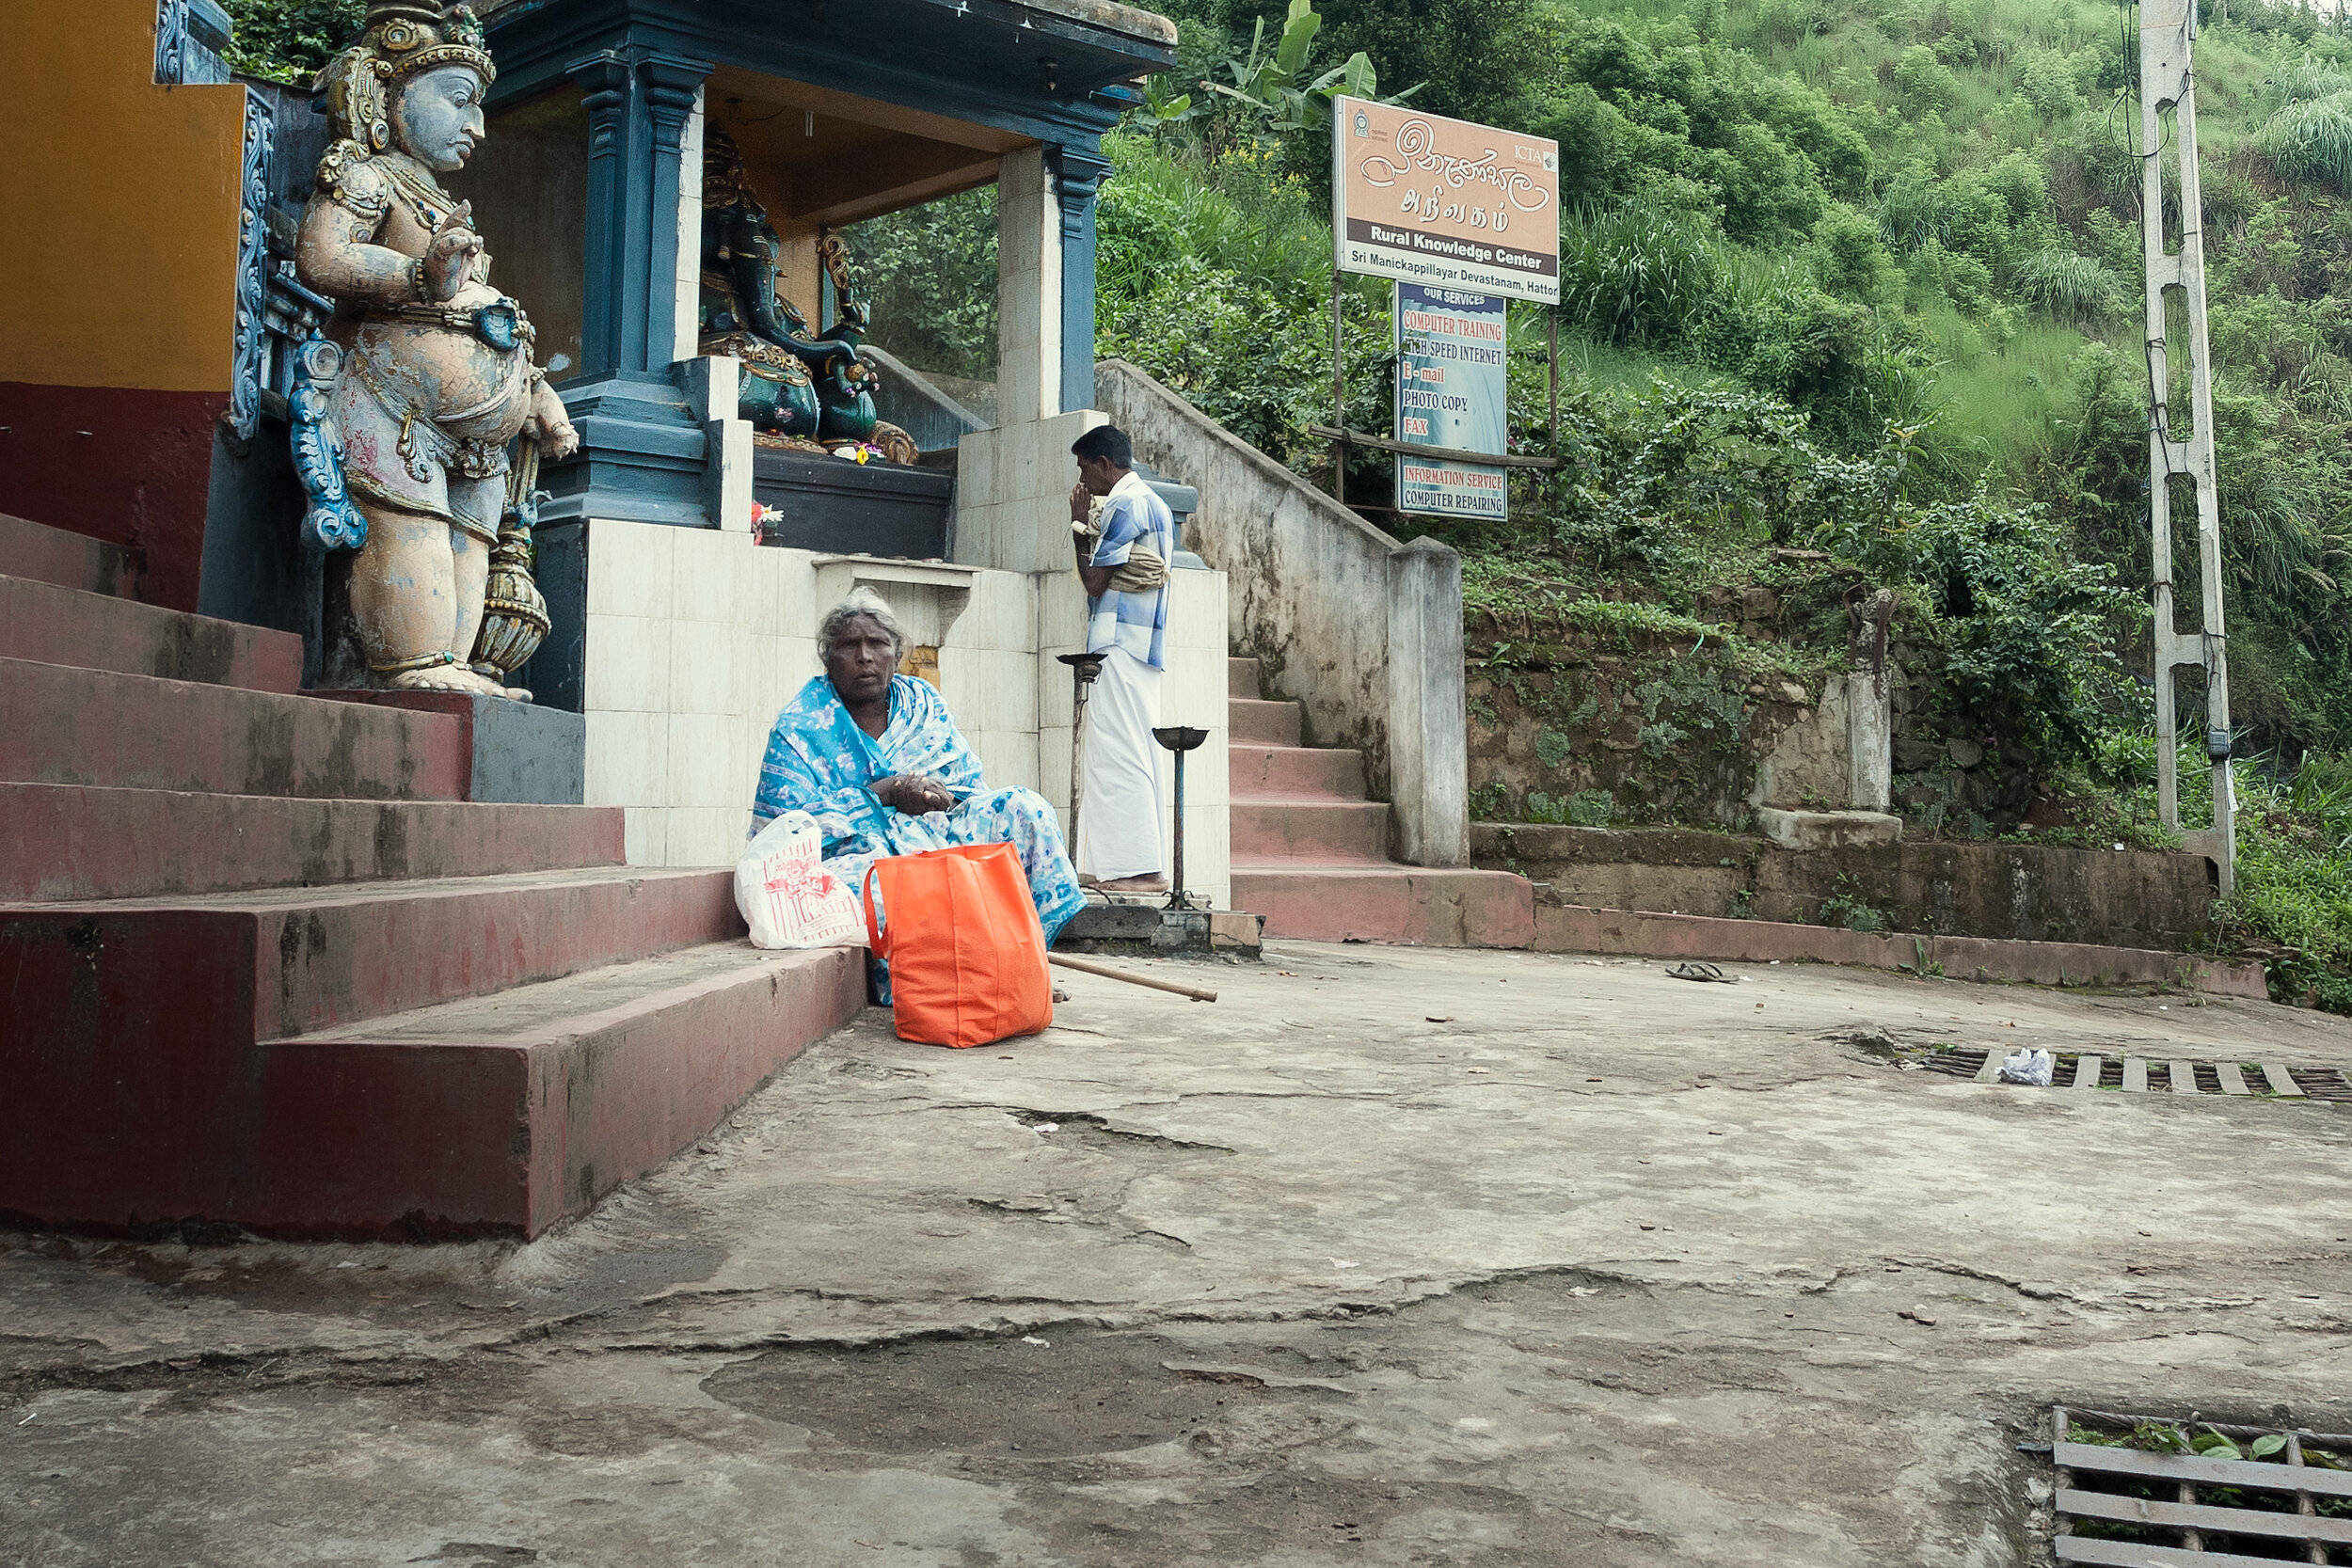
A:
1269,82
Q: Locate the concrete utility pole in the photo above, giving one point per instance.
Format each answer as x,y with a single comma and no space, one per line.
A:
2166,30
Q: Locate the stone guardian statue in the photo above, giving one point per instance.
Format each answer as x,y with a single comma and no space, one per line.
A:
435,379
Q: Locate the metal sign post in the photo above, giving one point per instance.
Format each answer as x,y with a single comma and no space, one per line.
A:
2166,30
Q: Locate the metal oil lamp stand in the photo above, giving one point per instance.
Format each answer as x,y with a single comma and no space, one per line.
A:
1083,669
1180,739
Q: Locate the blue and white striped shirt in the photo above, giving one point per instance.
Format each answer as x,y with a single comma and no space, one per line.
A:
1134,622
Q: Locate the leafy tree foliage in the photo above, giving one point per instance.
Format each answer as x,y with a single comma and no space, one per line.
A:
285,41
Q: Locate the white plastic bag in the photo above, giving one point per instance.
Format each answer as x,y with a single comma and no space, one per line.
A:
2028,1067
787,897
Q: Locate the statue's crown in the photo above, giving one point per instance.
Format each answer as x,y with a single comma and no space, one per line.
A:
400,39
414,34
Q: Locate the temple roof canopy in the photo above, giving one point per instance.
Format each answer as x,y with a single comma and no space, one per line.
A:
1052,71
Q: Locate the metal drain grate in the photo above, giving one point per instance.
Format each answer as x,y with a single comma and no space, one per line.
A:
2127,1495
2155,1075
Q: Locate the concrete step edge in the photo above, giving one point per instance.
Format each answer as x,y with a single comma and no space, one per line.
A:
64,723
109,629
97,842
40,553
289,961
564,1009
393,1129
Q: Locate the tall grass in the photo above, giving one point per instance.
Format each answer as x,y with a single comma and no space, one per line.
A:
2312,139
1236,215
1633,272
2000,399
2307,79
2072,287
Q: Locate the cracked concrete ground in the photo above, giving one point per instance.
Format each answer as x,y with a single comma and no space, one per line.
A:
1389,1257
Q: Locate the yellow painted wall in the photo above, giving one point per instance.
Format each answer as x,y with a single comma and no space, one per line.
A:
118,247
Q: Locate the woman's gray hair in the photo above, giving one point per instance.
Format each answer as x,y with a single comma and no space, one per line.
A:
861,601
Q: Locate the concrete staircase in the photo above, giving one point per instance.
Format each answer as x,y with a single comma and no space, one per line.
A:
267,965
1310,854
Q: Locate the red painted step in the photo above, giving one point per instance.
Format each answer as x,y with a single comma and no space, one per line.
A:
1332,772
132,1072
302,958
73,841
55,555
1263,723
1242,679
515,1110
1293,828
63,726
97,631
503,1115
1388,903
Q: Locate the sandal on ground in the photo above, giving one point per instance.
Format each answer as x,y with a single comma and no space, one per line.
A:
1697,971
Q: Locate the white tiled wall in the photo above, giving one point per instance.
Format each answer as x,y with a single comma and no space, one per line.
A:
1012,490
697,637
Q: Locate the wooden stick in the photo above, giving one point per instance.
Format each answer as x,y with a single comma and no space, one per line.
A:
1107,973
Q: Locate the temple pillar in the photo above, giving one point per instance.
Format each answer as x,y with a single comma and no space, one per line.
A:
638,107
644,449
618,126
1029,307
672,91
1078,173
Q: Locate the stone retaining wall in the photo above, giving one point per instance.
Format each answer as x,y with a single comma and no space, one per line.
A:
2027,892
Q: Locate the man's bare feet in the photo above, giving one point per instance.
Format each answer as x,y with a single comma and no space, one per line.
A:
1133,884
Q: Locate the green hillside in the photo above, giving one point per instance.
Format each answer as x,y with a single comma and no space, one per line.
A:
1858,278
1928,214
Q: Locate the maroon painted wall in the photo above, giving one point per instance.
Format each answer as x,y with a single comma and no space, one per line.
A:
132,467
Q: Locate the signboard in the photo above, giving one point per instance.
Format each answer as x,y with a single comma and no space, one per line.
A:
1452,389
1426,199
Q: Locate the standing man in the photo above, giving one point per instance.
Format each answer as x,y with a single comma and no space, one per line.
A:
1126,573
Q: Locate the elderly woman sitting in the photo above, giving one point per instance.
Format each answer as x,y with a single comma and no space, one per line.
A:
872,755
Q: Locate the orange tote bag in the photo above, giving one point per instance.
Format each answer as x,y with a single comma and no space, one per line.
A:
966,954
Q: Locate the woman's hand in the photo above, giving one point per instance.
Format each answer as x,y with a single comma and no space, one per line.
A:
913,793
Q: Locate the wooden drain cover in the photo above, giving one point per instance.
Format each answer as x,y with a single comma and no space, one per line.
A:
2131,1490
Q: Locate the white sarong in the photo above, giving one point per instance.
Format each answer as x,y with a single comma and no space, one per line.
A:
1118,815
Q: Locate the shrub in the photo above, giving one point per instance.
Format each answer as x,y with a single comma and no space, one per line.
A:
1850,257
2050,83
931,272
2070,288
2029,632
285,41
1925,83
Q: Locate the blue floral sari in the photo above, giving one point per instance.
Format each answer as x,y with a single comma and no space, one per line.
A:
819,761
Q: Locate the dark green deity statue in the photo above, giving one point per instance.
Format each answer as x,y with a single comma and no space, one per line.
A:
797,389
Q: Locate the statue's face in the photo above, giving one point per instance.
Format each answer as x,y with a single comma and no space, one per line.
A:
438,118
